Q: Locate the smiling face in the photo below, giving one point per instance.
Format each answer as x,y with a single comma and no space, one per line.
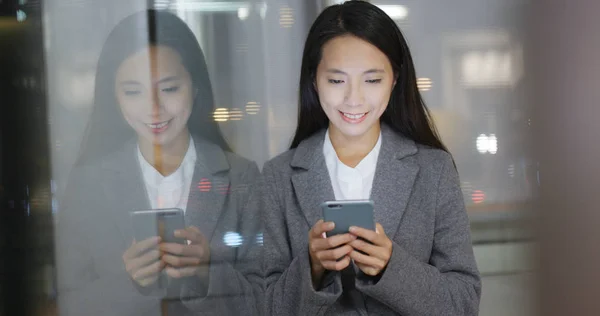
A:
155,95
354,81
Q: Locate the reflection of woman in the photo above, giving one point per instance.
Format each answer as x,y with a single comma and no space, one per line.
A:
364,133
151,144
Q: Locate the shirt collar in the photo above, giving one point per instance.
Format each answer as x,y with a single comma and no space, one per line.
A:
365,167
154,178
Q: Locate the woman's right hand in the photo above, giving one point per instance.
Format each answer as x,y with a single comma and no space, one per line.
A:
325,251
142,262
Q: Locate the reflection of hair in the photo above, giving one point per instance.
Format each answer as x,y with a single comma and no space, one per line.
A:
107,129
406,112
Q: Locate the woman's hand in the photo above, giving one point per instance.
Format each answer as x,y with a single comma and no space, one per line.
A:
142,262
187,260
377,253
324,252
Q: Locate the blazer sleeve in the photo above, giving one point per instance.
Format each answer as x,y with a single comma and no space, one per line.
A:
81,291
449,284
234,288
289,288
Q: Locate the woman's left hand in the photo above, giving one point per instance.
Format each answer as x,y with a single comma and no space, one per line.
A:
187,260
377,253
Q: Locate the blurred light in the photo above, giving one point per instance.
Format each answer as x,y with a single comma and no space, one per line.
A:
488,68
259,239
21,2
478,196
221,6
21,16
487,144
396,12
243,13
204,185
424,84
263,10
492,144
241,48
221,115
511,170
223,188
286,17
161,4
482,143
75,88
233,239
54,198
236,114
252,108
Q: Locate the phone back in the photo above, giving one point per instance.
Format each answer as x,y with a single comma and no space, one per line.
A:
348,213
163,223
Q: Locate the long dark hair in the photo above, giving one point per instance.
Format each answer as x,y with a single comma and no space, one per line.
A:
107,130
406,112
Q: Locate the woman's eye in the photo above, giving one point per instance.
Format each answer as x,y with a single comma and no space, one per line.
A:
131,92
171,89
374,81
334,81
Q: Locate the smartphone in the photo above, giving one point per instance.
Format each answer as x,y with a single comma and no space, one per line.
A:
158,222
348,213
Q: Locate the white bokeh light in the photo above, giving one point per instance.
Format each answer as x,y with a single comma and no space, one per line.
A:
233,239
487,144
243,13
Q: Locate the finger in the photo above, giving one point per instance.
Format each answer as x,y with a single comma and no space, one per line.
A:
336,265
366,260
182,250
369,249
140,247
379,229
191,233
147,281
334,254
178,262
333,242
321,227
368,270
367,234
177,273
195,229
148,271
146,259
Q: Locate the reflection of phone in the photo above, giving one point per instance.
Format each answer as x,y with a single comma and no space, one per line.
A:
348,213
159,222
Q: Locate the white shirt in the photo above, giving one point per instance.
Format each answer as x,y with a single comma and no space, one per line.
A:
351,183
173,190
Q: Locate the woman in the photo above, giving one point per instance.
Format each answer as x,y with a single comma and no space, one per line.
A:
151,143
364,133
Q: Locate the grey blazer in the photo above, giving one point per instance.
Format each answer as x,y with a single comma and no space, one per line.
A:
418,202
94,230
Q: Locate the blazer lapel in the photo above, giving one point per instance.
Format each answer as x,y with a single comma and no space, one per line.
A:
311,181
394,178
125,187
209,188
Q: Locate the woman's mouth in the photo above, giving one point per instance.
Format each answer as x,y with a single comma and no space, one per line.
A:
353,118
159,127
